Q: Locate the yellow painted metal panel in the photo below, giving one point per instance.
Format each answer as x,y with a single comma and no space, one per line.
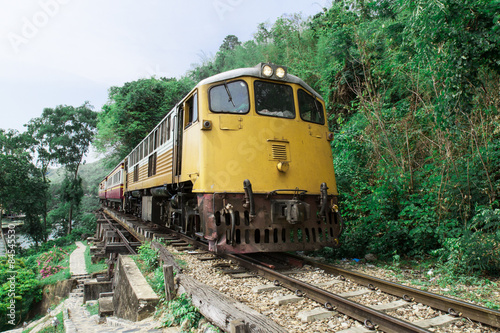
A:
191,153
163,174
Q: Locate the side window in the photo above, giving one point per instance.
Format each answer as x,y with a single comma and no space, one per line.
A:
230,97
160,130
191,110
155,140
151,140
310,108
152,165
136,173
168,128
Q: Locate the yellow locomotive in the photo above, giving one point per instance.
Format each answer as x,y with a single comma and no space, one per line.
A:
243,162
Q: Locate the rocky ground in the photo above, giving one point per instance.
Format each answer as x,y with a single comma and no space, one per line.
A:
286,315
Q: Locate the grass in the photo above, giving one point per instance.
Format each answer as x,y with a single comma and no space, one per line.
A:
93,309
59,276
92,268
429,275
60,327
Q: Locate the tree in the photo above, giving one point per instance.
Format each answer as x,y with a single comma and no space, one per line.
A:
133,110
21,188
64,136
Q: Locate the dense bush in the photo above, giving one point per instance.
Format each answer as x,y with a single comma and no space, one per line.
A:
24,290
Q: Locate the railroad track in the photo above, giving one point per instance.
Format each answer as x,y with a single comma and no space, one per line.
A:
371,318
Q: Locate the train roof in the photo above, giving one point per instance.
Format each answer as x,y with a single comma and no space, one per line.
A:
122,163
255,72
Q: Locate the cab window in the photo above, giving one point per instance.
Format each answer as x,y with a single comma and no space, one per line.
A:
191,109
310,108
273,99
230,97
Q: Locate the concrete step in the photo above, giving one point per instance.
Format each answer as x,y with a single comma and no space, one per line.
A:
106,307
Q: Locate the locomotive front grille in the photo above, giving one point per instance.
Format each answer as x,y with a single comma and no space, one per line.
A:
279,152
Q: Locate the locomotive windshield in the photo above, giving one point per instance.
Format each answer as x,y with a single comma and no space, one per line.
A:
230,97
272,99
310,108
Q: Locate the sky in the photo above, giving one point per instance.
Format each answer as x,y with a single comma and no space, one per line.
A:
55,52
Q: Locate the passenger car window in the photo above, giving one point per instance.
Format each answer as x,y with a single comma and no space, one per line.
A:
310,108
231,97
273,99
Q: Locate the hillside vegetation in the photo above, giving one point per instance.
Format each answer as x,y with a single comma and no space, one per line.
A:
412,91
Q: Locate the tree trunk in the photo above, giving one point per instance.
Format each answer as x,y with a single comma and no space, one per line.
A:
70,217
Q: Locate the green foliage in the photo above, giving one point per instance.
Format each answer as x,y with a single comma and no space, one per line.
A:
133,110
18,283
180,310
157,281
22,189
72,191
63,135
93,309
477,250
148,257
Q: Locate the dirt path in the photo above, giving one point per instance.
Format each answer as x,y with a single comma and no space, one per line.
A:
77,260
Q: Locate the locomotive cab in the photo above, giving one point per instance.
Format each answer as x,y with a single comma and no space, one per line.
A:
263,172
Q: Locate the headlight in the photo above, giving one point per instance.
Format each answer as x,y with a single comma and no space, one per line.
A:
280,72
267,71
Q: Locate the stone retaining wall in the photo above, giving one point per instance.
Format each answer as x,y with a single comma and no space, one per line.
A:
133,298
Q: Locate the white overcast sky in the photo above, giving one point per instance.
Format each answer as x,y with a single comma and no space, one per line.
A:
56,52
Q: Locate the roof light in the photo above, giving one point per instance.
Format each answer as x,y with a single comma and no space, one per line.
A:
280,72
267,70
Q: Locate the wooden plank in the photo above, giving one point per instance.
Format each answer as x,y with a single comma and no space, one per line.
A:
222,310
168,274
218,308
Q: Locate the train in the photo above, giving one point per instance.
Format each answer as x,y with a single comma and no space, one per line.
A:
243,162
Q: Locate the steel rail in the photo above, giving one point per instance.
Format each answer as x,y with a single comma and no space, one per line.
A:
120,234
364,314
367,315
452,306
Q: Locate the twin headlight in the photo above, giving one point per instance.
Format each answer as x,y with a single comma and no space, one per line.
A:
273,71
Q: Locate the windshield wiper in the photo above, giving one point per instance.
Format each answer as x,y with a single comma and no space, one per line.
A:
229,94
